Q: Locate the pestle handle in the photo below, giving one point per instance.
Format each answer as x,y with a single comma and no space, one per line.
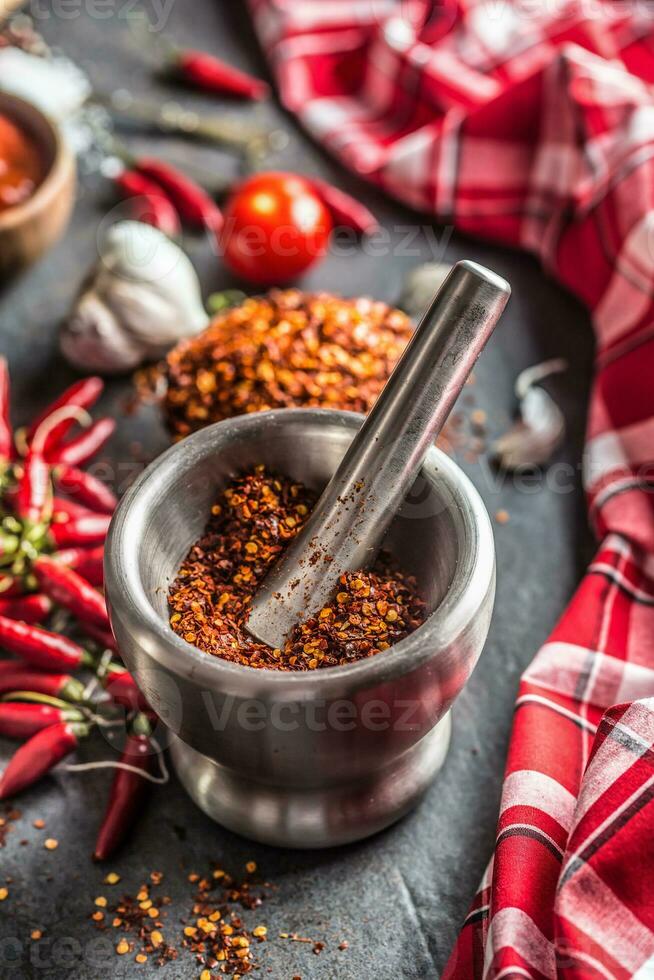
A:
383,460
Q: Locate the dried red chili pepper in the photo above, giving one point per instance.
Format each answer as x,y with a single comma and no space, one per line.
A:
122,688
80,450
193,203
103,637
128,790
65,510
41,648
87,562
11,586
345,210
29,608
34,497
83,394
87,529
16,676
19,719
150,201
85,488
39,755
214,75
6,431
70,590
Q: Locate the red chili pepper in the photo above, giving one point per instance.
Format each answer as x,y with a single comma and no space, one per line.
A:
87,562
34,497
10,586
41,648
122,688
39,755
85,488
22,720
6,432
16,676
83,394
78,451
345,210
70,590
103,637
151,203
29,608
126,797
213,75
89,529
65,510
193,203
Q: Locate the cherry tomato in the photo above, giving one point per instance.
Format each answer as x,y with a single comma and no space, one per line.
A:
275,227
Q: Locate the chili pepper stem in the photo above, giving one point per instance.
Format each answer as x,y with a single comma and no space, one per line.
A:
141,725
50,423
35,698
82,394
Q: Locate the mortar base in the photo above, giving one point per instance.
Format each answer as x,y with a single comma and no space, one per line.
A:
312,817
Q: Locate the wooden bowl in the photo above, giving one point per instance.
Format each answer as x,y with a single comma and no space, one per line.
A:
30,228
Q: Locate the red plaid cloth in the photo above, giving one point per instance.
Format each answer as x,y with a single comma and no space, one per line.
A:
533,125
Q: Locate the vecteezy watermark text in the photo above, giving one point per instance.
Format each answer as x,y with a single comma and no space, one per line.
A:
153,13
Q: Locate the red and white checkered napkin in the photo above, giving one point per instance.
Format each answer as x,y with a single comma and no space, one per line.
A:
533,124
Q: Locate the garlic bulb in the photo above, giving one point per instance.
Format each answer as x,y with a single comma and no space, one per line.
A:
540,427
141,298
420,287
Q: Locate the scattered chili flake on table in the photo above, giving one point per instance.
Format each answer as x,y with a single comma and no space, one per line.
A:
251,523
286,349
132,915
10,817
217,935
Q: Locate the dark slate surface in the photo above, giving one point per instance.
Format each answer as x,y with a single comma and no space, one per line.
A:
400,897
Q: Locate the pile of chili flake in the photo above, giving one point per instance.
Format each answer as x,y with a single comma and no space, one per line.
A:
287,349
251,523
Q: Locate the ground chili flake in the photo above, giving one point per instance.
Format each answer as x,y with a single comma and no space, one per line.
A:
251,523
287,349
138,923
9,817
216,934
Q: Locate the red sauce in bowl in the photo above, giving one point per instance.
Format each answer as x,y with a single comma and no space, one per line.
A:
21,164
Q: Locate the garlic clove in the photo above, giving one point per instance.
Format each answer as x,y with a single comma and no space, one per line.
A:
93,339
142,298
540,428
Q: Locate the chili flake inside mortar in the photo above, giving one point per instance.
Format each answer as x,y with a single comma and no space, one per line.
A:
251,523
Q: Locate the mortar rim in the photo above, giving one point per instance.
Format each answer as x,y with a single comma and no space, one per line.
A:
129,602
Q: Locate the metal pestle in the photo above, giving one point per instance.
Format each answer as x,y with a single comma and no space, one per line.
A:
384,458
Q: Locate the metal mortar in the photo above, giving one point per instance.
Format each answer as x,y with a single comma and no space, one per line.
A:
301,759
